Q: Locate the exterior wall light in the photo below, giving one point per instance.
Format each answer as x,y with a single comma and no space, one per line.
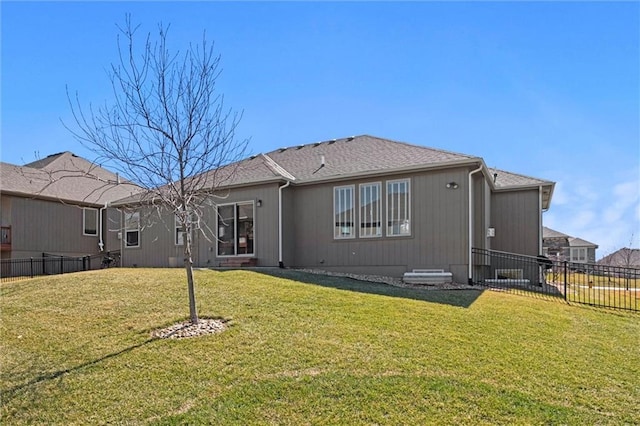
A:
452,185
259,203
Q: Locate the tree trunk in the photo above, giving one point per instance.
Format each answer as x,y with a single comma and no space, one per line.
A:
188,265
193,313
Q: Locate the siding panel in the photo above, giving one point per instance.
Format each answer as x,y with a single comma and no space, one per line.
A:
438,229
157,245
47,226
516,220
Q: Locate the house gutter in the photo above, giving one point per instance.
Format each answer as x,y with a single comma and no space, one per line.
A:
471,173
280,188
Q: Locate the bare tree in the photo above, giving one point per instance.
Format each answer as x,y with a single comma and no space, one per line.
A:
623,263
165,128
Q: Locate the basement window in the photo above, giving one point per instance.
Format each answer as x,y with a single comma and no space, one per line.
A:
132,229
89,221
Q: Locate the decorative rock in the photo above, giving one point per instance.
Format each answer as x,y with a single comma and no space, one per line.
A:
186,329
396,282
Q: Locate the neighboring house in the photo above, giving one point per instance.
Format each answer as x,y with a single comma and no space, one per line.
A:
623,258
559,246
359,204
57,205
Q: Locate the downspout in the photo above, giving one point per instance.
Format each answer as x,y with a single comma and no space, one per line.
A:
102,209
540,210
280,188
471,222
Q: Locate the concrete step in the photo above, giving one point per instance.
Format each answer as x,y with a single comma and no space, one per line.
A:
238,262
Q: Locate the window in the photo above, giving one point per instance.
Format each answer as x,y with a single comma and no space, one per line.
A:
89,221
343,212
179,234
235,229
132,229
370,210
398,208
578,254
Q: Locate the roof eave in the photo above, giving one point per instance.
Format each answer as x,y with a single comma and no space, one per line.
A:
393,171
50,198
122,202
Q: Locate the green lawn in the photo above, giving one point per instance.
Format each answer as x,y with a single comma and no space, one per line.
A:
307,349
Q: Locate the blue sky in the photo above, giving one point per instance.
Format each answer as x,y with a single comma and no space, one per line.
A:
545,89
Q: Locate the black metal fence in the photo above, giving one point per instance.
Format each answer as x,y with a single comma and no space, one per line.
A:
51,264
587,283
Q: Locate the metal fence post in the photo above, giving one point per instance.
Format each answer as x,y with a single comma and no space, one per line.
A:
565,280
31,274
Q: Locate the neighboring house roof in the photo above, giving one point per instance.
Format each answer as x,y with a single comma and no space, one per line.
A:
625,257
552,233
578,242
65,177
548,233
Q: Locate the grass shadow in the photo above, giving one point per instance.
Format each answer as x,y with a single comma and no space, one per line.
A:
11,393
459,298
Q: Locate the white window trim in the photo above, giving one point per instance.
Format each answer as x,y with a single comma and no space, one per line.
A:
235,230
126,230
178,234
574,254
379,212
177,241
352,235
84,221
408,207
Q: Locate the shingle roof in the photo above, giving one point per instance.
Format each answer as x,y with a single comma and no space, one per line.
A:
65,177
314,162
625,257
334,159
579,242
359,155
572,241
504,179
552,233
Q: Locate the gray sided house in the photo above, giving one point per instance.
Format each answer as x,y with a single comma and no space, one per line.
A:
57,205
559,246
359,204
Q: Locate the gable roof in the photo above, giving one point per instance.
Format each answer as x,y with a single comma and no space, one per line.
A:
360,155
571,241
64,177
552,233
327,161
353,157
625,257
505,179
357,156
579,242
